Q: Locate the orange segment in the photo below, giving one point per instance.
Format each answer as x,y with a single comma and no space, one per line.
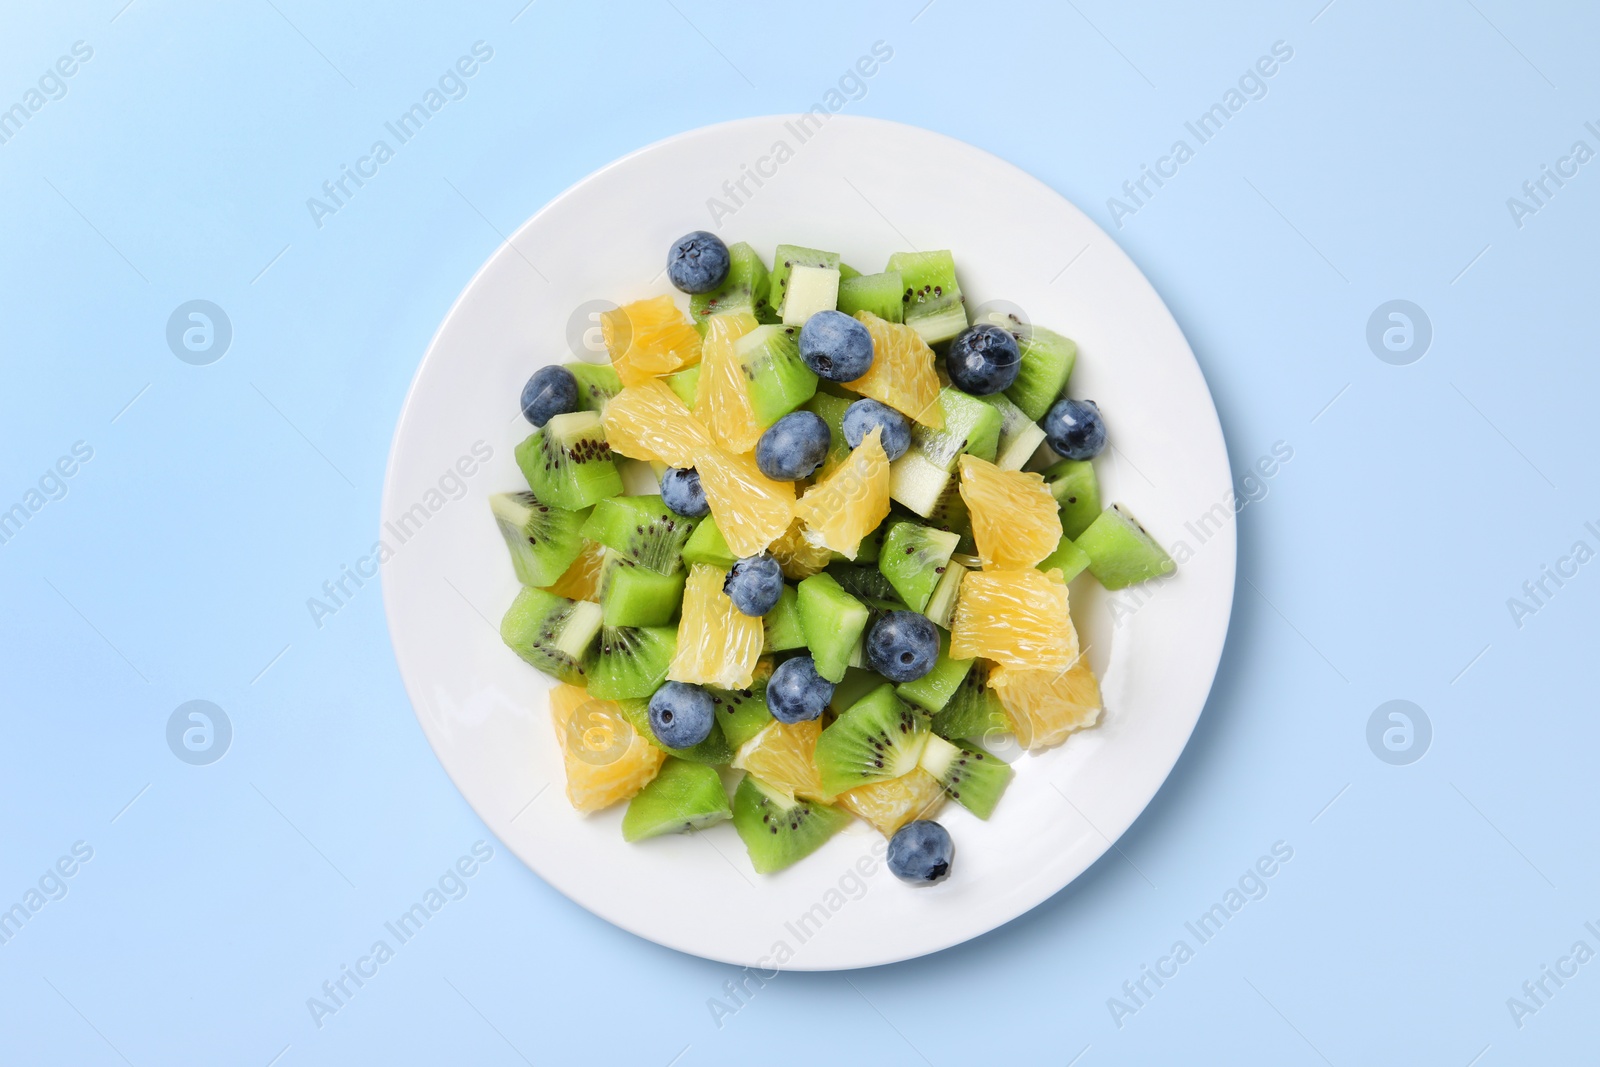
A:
1017,618
751,510
797,557
1045,706
850,502
649,338
784,756
717,643
581,580
647,421
606,760
902,373
1014,517
890,805
723,404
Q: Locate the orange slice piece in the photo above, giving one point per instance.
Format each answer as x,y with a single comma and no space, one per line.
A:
606,759
649,338
902,373
581,580
1045,706
851,501
1016,618
1015,520
797,557
717,643
647,421
890,805
751,510
723,403
784,756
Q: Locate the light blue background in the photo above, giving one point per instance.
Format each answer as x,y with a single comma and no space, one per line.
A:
1377,567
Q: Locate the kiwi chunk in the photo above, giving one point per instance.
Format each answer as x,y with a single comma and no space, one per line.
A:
810,290
971,425
933,302
552,633
972,710
1121,552
1047,360
568,462
631,595
917,483
941,607
877,738
685,383
1020,437
914,559
781,625
866,584
707,545
832,621
742,713
830,409
778,379
597,383
631,661
779,830
543,540
643,529
785,259
882,294
1073,483
683,796
1068,558
972,777
933,690
950,512
713,750
744,289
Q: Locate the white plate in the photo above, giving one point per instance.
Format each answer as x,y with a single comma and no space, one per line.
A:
865,188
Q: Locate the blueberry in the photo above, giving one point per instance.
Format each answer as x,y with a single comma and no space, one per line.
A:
1074,428
835,346
920,852
681,715
698,262
754,584
796,692
680,491
983,359
793,447
550,392
902,645
863,415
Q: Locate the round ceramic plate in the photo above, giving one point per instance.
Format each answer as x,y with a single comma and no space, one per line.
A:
866,189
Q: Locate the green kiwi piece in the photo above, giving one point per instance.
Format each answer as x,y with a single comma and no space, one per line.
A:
781,625
857,683
933,303
1073,484
881,294
1047,360
941,607
551,632
830,409
568,462
742,713
918,483
971,425
950,512
543,540
779,381
1121,552
1068,558
810,290
846,272
972,710
785,259
1020,437
683,796
744,289
832,621
714,750
913,560
597,383
933,690
631,661
879,737
631,595
779,830
643,529
867,584
707,545
972,777
686,383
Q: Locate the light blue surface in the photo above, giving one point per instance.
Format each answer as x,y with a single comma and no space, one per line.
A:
1378,565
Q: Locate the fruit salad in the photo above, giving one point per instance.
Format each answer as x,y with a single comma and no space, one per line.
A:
854,575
